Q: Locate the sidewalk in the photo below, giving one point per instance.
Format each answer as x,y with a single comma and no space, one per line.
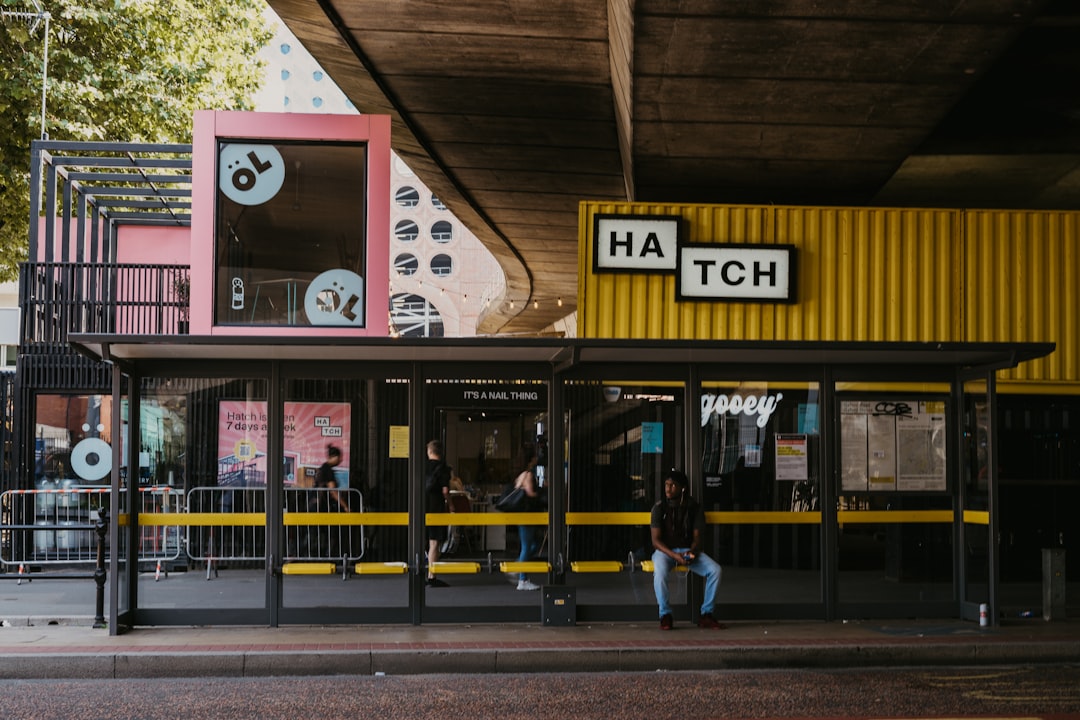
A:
77,650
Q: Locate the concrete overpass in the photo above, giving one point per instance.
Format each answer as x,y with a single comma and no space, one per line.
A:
514,110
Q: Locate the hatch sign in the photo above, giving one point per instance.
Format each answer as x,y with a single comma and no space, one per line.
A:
653,244
636,243
735,272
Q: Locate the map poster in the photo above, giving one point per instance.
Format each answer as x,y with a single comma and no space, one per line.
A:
893,445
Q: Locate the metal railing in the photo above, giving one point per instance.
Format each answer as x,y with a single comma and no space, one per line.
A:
50,527
208,524
62,298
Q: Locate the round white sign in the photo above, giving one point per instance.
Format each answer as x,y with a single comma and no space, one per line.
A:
91,459
250,174
336,297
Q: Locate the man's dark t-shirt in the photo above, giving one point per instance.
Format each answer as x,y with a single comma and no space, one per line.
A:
438,477
677,522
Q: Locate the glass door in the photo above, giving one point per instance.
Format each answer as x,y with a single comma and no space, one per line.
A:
343,534
479,561
977,497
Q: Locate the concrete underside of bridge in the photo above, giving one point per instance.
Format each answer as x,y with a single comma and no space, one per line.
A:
512,111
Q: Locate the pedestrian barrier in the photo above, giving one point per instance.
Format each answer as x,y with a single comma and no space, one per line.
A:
224,524
50,526
160,545
319,524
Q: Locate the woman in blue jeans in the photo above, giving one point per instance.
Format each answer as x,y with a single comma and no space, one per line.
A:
529,534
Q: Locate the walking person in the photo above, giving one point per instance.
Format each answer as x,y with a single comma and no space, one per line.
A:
528,534
436,497
676,525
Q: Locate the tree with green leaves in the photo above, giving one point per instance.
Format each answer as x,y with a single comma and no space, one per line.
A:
119,71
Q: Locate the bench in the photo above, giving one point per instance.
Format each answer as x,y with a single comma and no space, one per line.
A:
527,566
380,568
455,568
308,568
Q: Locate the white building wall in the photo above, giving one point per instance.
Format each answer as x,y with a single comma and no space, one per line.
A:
296,83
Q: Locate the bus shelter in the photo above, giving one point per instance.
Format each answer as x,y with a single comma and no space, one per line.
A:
839,479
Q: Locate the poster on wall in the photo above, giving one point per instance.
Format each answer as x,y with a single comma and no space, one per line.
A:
309,428
892,445
792,457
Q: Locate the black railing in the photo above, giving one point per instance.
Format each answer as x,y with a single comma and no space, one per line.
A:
62,298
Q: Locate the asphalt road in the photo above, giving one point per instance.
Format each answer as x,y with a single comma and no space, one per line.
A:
1051,692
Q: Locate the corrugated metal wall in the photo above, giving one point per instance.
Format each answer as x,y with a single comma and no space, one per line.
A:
864,274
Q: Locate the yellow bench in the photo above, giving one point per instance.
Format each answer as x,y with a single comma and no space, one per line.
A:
647,566
380,568
456,568
308,568
529,566
596,566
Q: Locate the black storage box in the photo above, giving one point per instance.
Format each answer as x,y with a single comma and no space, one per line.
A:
560,606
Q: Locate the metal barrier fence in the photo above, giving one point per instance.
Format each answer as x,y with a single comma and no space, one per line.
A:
208,524
160,543
50,527
326,538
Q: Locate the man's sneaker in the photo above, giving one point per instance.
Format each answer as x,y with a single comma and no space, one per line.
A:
436,582
665,622
708,621
526,585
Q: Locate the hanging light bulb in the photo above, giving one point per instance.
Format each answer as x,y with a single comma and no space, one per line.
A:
536,304
511,304
560,301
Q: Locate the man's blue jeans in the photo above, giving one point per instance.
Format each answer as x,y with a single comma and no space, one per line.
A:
703,566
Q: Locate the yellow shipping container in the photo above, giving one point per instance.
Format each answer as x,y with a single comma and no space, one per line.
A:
865,274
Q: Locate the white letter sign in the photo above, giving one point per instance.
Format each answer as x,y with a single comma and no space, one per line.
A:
735,272
635,243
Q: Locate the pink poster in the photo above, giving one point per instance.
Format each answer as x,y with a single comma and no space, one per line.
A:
309,428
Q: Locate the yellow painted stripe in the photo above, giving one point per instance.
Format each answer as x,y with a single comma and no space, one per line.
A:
339,518
763,518
532,566
607,518
977,517
717,518
259,519
541,518
854,517
462,519
202,519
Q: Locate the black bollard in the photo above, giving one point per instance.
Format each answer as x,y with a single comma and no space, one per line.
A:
99,571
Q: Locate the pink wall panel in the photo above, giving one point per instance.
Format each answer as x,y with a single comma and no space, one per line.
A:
373,129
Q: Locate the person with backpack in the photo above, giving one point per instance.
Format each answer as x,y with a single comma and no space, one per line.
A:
676,525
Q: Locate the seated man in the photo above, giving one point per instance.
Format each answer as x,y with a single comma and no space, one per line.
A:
676,525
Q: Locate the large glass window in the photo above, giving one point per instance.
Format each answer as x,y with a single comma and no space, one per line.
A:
760,462
289,235
622,436
893,459
345,445
492,430
202,490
